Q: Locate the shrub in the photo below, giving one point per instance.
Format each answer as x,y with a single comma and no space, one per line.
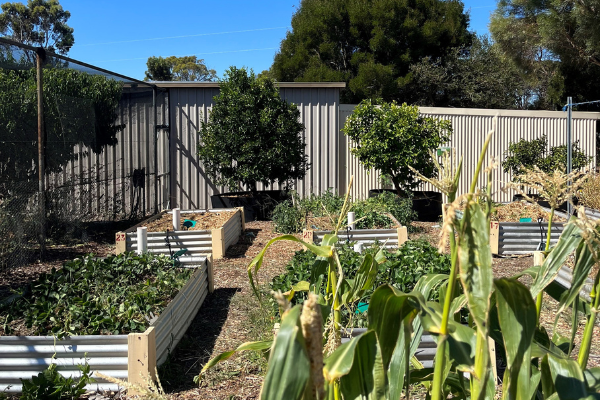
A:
526,154
289,217
252,134
51,385
392,138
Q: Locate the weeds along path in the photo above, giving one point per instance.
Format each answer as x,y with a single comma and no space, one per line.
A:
229,316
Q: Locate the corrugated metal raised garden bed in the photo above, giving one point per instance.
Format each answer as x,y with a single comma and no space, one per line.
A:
167,236
127,357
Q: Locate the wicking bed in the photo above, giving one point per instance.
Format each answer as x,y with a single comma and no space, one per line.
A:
124,356
521,237
213,233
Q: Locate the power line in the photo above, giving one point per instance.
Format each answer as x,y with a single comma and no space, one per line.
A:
196,54
184,36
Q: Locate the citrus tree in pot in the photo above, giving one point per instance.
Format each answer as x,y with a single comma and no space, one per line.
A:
252,135
392,138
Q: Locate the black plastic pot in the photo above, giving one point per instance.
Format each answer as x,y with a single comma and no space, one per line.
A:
257,205
427,204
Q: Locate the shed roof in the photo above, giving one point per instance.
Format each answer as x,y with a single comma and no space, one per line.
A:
185,84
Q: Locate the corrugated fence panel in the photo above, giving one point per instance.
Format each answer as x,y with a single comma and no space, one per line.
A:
471,126
318,107
26,356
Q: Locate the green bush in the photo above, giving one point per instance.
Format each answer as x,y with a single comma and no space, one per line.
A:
289,217
403,268
91,296
50,385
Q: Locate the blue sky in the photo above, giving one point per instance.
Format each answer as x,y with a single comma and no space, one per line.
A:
121,35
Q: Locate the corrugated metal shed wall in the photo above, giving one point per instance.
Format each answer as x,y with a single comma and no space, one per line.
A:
470,129
101,186
192,188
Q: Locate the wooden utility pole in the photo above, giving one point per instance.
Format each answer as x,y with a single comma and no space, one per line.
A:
41,57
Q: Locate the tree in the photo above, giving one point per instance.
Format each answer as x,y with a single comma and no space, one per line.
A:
368,44
172,68
477,77
554,43
391,138
527,154
40,23
252,135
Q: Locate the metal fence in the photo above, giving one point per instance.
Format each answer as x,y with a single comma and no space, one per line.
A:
98,136
471,126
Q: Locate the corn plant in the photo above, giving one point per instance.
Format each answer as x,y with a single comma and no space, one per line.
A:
380,363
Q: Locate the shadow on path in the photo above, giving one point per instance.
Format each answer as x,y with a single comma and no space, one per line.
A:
196,346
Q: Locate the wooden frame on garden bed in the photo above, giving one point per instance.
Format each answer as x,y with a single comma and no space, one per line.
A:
128,357
197,242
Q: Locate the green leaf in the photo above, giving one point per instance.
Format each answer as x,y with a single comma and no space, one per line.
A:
517,317
301,286
388,309
357,364
568,378
567,243
475,262
254,267
254,346
289,368
592,379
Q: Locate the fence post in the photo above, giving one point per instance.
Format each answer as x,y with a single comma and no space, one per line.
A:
40,57
218,243
141,358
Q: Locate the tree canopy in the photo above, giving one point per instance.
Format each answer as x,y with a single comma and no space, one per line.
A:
252,134
555,44
41,23
187,68
370,44
392,137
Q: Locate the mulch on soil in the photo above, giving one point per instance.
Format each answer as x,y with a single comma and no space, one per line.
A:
204,221
513,212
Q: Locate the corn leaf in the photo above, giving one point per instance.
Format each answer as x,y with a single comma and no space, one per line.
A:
325,251
357,364
388,309
475,262
567,243
568,378
517,318
289,368
254,346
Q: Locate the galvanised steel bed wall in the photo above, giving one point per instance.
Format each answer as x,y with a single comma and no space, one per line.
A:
471,126
190,104
26,356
